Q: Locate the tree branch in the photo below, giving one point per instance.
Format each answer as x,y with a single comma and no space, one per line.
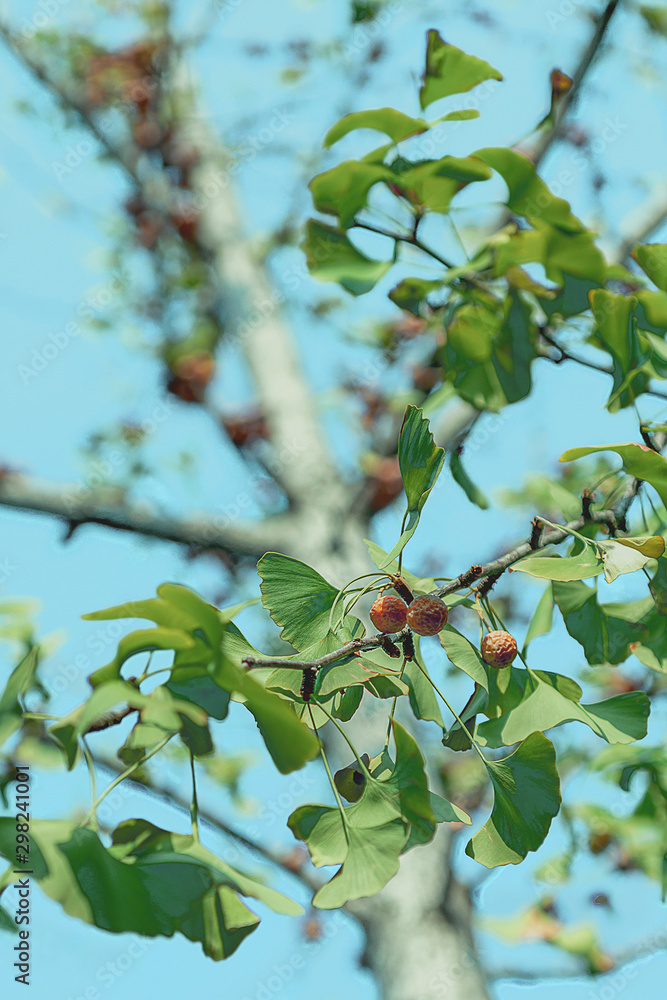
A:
349,649
564,103
76,505
650,217
251,314
534,975
408,238
125,157
566,355
175,799
250,306
491,571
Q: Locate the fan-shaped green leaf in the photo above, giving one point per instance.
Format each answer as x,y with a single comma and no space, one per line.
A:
526,799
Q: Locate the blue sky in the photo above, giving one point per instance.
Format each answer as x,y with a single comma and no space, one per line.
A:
57,232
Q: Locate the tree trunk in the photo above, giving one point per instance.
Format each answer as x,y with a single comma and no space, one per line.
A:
419,942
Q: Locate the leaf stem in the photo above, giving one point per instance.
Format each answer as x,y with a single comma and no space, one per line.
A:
125,774
455,714
389,722
393,709
341,807
568,531
344,590
362,593
194,805
347,740
90,764
413,241
145,674
400,554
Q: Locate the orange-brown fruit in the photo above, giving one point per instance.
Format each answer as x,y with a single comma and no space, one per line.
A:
388,614
245,427
384,483
599,842
427,615
186,220
498,649
148,133
191,375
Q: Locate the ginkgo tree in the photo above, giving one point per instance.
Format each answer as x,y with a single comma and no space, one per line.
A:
489,319
392,809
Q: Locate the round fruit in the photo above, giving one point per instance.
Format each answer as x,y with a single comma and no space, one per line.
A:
427,615
388,614
498,649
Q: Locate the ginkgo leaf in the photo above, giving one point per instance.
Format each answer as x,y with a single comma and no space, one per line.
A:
638,460
526,799
627,555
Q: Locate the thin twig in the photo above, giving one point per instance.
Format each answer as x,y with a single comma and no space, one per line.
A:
349,649
490,572
566,355
564,103
409,238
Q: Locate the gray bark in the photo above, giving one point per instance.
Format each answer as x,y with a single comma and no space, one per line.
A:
419,941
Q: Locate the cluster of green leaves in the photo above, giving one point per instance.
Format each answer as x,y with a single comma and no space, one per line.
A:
540,270
391,806
200,893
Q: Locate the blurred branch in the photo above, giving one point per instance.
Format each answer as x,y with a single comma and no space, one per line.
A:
169,795
125,157
535,975
76,506
250,308
649,218
620,960
564,102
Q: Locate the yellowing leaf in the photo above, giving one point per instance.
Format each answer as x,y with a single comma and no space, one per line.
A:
627,555
652,546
